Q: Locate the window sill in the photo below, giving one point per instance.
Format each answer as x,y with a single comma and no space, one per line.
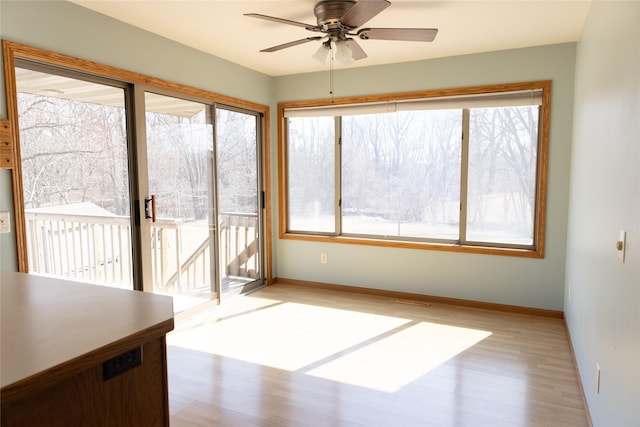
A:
453,247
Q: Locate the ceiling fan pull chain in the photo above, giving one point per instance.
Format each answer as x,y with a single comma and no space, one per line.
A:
331,72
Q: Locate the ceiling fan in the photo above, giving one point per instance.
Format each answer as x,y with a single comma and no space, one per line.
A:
338,20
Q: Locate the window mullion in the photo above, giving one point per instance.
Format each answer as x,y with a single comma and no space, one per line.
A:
464,174
338,175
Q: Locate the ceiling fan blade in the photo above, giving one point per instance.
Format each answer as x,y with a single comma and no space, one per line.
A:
290,44
363,11
356,51
283,21
404,34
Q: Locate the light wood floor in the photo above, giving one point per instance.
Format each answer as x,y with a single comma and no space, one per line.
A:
290,356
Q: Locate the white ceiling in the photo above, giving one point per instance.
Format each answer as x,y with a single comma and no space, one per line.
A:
219,28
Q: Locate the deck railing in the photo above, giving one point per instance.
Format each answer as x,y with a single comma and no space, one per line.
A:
239,244
92,248
238,254
97,249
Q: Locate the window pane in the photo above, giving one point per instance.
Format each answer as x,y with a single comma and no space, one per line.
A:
238,198
75,178
401,174
236,139
180,167
311,172
502,174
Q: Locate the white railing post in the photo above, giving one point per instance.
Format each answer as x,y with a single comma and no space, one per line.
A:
178,266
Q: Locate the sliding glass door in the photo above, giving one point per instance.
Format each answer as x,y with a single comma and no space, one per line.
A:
180,164
75,177
205,189
240,200
140,189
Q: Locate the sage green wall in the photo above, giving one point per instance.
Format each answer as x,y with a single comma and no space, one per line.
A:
8,259
66,28
603,295
499,279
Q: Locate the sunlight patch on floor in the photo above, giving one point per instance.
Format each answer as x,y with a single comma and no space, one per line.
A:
239,307
395,361
287,336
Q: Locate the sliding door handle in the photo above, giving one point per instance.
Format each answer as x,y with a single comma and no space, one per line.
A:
150,208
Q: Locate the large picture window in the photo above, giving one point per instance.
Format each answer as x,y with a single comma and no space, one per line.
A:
463,169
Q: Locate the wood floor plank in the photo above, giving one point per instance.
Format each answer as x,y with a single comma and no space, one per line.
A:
290,356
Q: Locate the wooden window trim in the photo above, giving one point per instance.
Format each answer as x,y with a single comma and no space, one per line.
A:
12,51
541,170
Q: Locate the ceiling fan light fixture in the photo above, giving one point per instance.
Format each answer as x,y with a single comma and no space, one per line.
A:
322,54
344,55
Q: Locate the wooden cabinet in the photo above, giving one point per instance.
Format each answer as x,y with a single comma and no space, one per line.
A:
57,337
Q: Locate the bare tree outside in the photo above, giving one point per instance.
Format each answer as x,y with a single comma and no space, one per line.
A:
237,161
73,152
502,174
401,171
311,171
178,168
408,179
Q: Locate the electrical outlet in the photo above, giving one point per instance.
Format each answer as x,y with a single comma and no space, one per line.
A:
597,378
120,364
5,225
324,259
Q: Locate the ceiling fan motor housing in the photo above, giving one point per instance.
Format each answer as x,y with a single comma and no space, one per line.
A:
329,12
